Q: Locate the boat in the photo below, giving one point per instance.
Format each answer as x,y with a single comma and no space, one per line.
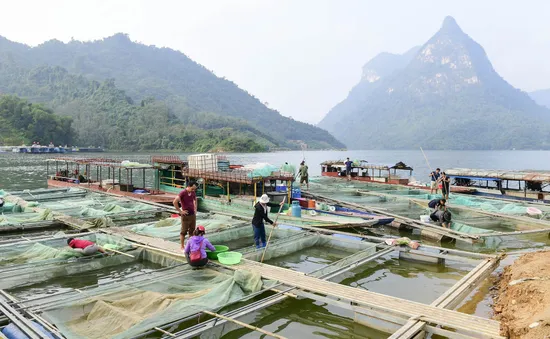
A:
515,185
123,178
380,174
363,171
343,211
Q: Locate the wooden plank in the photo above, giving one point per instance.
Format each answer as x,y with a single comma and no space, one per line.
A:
453,319
450,298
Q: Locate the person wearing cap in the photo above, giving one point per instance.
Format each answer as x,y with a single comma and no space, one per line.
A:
260,215
195,250
86,247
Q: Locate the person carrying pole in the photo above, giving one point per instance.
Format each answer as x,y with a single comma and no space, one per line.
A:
445,185
303,171
260,215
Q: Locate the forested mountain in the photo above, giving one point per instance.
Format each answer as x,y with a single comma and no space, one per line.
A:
446,96
178,86
541,97
24,123
104,115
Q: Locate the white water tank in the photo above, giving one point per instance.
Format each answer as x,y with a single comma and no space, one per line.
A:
203,162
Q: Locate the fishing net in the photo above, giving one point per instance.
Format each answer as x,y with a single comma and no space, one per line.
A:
305,241
54,250
170,228
288,169
26,217
130,308
25,275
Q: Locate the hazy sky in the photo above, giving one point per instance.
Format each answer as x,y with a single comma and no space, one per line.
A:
300,56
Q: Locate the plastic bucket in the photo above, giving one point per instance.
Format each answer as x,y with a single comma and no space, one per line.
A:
219,249
425,218
311,204
230,258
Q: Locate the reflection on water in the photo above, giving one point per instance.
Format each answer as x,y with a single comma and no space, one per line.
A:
309,259
302,318
405,279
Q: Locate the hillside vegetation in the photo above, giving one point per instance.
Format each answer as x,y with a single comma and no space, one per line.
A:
192,108
24,123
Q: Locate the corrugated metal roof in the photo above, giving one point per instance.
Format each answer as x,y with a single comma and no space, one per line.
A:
499,174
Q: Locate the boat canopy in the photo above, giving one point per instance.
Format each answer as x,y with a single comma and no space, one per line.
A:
481,174
365,165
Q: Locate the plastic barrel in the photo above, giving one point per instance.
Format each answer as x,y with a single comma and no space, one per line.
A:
296,209
13,332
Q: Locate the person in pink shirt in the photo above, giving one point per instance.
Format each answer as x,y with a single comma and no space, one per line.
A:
195,250
83,246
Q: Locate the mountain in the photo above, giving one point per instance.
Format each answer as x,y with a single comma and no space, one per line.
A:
541,97
189,90
23,123
445,95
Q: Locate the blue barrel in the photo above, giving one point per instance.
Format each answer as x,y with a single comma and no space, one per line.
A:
13,332
296,209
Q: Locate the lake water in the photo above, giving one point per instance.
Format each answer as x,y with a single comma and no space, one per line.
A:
28,171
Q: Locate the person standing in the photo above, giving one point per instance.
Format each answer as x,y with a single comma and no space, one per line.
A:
434,176
445,185
260,215
186,206
348,168
303,174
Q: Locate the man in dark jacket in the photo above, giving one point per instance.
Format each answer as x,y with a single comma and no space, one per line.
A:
260,214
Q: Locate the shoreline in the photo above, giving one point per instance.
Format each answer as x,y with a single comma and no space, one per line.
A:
522,300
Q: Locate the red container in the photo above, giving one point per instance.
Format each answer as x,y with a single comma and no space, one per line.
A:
311,204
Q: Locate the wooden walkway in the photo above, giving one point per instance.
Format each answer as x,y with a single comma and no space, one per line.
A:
462,322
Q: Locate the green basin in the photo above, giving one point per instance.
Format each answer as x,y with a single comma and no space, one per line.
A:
219,249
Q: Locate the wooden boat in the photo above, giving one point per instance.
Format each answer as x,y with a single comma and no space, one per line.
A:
364,171
343,211
105,175
515,185
380,174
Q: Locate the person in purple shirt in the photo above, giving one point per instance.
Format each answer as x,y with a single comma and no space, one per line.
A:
195,250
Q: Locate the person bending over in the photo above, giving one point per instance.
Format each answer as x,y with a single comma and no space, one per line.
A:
86,247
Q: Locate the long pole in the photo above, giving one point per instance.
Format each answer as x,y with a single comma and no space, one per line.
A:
270,233
244,324
118,252
426,158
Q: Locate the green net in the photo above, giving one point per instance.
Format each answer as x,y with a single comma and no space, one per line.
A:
54,250
288,168
26,217
170,227
128,309
25,275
